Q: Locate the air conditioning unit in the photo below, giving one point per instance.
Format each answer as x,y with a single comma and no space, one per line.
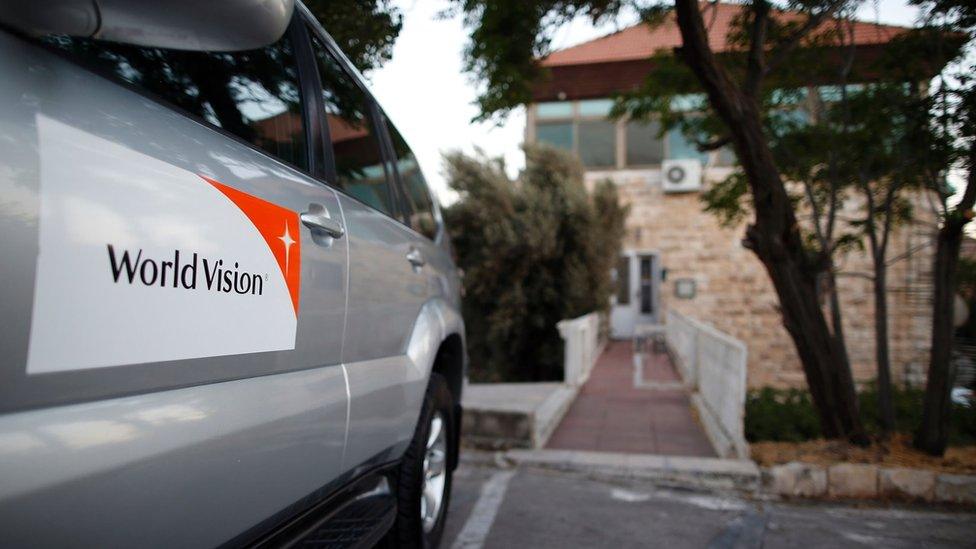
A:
681,176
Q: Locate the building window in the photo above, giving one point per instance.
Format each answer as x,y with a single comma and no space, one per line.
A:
560,109
689,102
644,147
595,107
679,146
583,128
556,134
597,143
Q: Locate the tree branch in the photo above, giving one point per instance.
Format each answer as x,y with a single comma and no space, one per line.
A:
714,144
756,67
811,24
698,55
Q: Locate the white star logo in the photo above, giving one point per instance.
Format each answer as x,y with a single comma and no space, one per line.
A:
287,240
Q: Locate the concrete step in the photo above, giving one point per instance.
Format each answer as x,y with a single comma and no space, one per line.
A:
513,415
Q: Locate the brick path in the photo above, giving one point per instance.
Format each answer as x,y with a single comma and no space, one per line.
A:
611,415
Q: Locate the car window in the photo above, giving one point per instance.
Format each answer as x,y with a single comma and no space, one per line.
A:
253,94
414,186
355,145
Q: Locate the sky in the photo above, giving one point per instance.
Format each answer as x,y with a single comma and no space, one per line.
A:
425,92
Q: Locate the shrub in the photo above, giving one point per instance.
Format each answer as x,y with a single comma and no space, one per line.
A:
788,415
785,415
534,251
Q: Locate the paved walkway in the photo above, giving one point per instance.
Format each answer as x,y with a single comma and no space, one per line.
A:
611,415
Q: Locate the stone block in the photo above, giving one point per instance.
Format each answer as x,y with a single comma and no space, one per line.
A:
852,480
797,479
902,483
956,488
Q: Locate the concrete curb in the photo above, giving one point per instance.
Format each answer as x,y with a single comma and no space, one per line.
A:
710,473
842,481
864,482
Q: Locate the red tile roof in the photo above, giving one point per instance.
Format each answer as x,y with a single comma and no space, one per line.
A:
641,41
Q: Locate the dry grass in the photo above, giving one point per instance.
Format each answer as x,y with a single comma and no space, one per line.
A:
896,452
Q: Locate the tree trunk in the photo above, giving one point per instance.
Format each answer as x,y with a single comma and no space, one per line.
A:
933,433
836,316
775,237
886,405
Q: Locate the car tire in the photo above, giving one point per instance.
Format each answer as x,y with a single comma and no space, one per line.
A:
416,525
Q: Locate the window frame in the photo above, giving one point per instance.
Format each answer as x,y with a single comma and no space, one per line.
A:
297,44
401,189
315,29
620,135
320,158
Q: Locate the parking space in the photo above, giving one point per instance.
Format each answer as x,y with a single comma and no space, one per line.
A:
556,509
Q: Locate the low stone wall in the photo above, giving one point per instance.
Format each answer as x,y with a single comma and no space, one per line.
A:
864,481
713,365
581,337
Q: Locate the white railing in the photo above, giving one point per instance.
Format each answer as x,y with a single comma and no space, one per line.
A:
713,364
581,347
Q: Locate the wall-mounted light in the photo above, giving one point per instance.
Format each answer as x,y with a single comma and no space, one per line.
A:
684,288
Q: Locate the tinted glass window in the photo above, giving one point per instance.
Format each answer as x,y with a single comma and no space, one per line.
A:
358,156
646,281
597,143
643,145
419,202
595,107
558,134
623,280
554,110
680,147
252,94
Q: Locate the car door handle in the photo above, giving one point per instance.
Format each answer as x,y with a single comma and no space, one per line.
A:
415,258
317,218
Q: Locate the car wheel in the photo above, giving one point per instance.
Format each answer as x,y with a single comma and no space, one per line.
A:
424,479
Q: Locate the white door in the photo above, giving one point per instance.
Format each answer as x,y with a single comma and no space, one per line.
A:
638,276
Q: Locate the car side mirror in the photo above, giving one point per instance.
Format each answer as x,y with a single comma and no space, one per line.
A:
211,25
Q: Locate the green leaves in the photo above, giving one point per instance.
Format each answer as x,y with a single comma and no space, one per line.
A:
534,251
506,38
365,29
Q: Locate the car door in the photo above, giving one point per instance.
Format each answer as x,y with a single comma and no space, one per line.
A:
387,285
171,372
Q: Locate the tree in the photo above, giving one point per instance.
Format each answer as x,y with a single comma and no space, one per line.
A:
534,251
956,103
734,88
365,29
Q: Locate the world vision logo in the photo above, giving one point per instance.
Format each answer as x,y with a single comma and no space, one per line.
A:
278,226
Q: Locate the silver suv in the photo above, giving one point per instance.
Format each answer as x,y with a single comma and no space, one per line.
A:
229,310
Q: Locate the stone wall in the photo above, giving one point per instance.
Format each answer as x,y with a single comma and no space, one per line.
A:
733,292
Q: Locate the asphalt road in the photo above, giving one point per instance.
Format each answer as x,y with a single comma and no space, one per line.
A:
536,508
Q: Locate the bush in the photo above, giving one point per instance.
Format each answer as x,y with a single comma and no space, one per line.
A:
788,415
534,251
785,415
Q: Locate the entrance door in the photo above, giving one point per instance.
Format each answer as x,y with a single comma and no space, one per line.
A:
636,299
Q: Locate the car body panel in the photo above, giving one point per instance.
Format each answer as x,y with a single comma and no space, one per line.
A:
193,467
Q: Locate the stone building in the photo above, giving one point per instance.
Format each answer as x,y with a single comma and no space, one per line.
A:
678,256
